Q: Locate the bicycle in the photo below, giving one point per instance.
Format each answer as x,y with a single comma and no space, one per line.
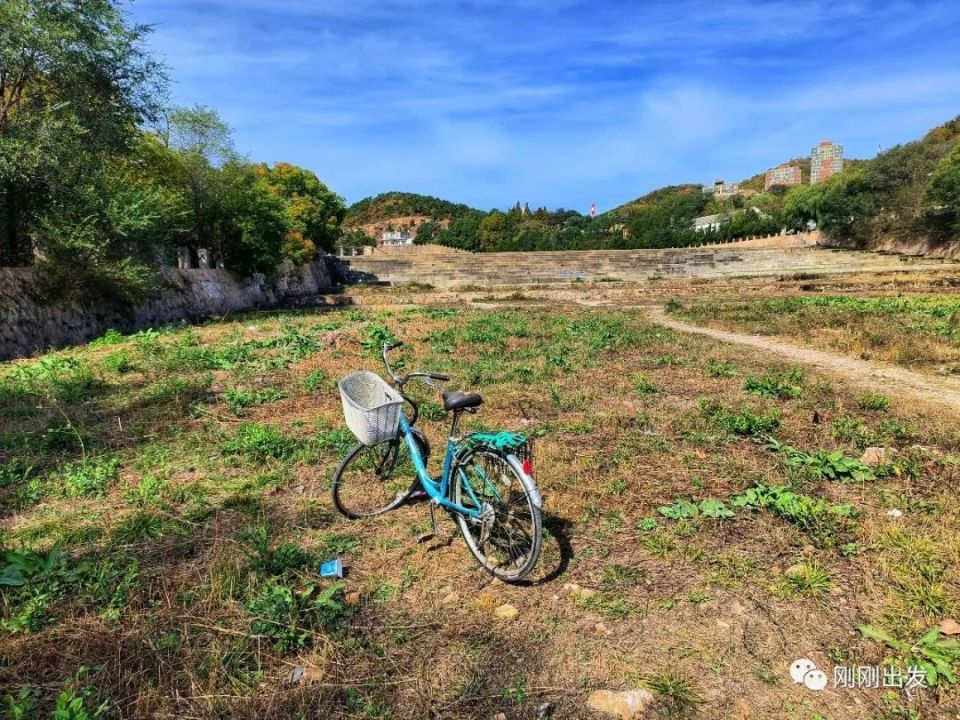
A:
486,482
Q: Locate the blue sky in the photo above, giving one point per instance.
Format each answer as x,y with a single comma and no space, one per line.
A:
555,102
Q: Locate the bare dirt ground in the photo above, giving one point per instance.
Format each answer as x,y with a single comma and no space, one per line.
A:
866,374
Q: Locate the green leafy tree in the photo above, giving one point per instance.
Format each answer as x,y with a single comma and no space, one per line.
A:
75,81
942,194
202,144
313,212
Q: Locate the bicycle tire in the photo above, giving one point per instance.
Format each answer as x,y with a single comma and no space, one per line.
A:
383,458
521,494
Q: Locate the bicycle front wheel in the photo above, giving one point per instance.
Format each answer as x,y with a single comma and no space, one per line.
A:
373,479
507,537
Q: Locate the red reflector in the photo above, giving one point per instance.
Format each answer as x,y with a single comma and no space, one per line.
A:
528,467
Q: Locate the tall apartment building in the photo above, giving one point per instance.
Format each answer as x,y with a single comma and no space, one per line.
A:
782,175
826,159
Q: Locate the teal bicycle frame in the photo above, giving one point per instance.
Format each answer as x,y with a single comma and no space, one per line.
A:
438,489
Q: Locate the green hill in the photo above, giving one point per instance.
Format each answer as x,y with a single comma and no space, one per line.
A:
655,197
401,204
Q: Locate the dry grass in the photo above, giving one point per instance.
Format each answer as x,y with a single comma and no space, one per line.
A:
917,331
168,556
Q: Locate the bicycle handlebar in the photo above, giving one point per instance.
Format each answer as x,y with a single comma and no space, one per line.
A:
402,379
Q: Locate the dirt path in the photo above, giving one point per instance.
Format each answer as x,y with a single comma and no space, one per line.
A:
875,376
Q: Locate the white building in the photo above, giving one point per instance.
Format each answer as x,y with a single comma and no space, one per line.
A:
709,222
393,238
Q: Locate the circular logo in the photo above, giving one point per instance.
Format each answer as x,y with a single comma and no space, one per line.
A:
805,672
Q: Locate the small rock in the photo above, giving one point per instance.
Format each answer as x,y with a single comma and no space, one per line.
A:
874,456
295,675
352,599
626,705
895,513
544,710
500,716
505,612
578,593
450,599
950,627
251,328
602,629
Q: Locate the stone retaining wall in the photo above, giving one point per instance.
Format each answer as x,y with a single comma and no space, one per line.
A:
28,326
557,267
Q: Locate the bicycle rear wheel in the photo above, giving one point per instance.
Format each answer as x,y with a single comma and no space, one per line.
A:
373,479
506,539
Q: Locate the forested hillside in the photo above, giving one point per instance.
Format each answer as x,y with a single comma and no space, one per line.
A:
910,191
101,180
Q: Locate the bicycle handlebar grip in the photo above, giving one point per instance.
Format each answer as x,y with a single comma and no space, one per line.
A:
392,346
438,376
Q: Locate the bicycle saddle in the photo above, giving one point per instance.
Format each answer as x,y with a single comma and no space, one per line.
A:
456,400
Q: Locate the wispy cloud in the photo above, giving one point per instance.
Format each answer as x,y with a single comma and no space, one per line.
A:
557,102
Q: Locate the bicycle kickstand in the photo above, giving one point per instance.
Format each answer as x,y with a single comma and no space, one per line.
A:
433,525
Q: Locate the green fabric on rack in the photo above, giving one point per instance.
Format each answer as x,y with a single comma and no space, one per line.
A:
503,440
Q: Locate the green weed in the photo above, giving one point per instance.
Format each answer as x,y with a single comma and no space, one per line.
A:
643,385
823,465
239,400
783,386
88,478
937,656
289,617
824,522
260,442
806,579
873,401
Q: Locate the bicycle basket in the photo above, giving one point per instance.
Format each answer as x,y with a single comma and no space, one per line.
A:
371,407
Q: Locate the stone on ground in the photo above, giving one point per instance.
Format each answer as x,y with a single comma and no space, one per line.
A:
505,612
875,456
626,705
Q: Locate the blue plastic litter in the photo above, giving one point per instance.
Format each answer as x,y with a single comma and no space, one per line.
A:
332,568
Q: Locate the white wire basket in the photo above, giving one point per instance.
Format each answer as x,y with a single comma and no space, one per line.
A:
371,407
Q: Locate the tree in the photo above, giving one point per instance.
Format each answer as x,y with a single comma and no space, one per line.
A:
312,211
942,194
251,222
202,144
75,82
